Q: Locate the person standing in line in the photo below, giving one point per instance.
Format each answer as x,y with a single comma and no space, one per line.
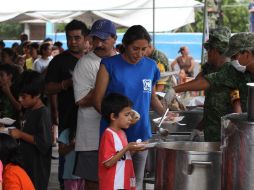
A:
59,78
8,56
34,50
66,149
12,174
115,163
40,65
251,18
34,136
134,75
103,33
9,104
23,38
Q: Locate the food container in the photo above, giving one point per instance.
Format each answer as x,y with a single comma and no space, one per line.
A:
188,166
238,152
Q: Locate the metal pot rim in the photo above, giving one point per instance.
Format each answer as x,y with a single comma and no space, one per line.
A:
191,146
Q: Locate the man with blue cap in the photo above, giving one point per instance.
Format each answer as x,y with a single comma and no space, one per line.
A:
103,34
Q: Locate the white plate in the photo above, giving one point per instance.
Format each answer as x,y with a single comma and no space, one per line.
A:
150,145
136,114
7,121
168,73
140,145
6,129
161,94
176,119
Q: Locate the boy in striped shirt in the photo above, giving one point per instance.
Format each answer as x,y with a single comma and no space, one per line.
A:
115,163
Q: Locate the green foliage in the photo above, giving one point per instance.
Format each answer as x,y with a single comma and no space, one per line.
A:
10,30
60,27
234,15
236,18
121,30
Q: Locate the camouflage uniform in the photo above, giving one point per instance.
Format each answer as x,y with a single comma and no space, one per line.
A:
162,63
161,58
217,99
231,78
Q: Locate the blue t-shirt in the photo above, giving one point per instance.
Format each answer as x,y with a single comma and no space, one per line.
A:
69,158
135,81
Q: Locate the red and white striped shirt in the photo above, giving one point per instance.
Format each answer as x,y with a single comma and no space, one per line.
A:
121,175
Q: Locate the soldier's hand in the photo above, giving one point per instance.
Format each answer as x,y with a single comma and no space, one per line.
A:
169,96
196,135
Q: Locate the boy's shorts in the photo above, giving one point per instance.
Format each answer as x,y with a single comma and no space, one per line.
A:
86,165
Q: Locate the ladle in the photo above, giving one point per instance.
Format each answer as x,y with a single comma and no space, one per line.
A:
163,132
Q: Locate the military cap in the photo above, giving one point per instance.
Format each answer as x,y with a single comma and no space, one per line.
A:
218,38
240,41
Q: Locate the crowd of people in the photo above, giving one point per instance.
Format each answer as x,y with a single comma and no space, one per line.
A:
41,89
100,97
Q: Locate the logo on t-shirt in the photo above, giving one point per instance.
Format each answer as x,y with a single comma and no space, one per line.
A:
147,85
132,182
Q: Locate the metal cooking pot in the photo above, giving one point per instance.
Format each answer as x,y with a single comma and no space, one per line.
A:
188,166
151,157
237,152
177,133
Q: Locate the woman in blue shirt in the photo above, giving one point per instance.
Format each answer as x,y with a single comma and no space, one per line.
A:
133,75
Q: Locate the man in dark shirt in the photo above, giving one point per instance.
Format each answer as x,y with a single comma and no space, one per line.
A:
59,77
59,74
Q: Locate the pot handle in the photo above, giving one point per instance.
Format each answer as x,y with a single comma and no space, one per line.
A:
195,162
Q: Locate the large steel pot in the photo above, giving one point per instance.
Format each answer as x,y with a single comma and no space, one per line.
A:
237,152
177,133
188,166
151,157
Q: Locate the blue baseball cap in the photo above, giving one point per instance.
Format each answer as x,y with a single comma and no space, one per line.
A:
103,29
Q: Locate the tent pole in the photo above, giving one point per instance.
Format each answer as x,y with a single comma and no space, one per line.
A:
204,32
153,23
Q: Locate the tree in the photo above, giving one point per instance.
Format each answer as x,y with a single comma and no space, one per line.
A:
11,30
234,14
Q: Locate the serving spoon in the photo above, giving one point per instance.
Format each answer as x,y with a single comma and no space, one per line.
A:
163,132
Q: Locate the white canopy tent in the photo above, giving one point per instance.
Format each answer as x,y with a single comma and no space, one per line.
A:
154,15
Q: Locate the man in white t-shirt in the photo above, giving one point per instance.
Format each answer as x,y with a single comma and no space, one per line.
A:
103,33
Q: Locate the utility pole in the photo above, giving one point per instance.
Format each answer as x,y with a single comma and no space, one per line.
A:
205,31
219,21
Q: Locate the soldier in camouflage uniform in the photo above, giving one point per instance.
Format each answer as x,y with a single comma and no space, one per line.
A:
241,45
217,100
159,57
230,77
162,63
